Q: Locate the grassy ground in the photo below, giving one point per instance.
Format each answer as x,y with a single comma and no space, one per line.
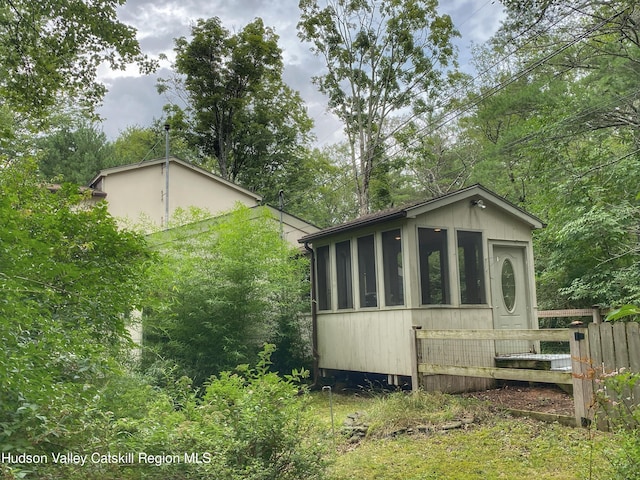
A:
488,444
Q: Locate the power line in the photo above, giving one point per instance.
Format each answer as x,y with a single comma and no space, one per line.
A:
412,94
501,86
458,90
466,84
429,129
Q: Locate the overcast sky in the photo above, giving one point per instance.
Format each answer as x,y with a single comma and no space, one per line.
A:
133,100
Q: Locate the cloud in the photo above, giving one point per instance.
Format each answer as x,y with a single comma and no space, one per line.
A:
133,100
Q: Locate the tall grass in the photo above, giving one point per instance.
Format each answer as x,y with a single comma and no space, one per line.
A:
401,410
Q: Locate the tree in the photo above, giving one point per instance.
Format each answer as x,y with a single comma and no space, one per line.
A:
321,192
136,144
383,57
435,163
601,49
557,132
54,48
227,287
74,153
67,277
240,113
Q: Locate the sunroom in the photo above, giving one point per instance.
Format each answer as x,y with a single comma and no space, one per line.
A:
463,260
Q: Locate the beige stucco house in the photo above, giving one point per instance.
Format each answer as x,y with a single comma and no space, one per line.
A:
138,192
137,195
460,261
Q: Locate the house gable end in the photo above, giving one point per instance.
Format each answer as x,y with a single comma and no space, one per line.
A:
470,194
98,180
473,194
137,194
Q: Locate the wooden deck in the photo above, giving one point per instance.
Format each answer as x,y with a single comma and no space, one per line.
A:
556,362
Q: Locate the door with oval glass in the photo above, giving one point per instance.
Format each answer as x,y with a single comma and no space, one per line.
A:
510,295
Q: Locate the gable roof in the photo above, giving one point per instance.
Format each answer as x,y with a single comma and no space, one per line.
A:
474,192
148,163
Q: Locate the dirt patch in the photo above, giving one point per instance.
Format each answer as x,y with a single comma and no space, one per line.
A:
533,398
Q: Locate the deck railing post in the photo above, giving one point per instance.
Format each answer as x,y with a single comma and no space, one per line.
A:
582,373
413,352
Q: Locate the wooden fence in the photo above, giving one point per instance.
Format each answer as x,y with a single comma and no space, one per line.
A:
593,312
596,349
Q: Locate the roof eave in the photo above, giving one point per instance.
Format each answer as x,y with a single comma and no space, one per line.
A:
353,226
157,161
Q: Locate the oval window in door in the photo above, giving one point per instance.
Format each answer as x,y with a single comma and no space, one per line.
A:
508,285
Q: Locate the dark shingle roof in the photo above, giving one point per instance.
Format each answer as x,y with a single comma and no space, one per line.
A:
402,211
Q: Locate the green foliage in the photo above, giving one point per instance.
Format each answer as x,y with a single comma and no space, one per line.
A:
626,464
561,141
624,312
226,287
435,163
400,411
240,113
55,47
74,153
66,275
322,192
493,446
617,397
619,400
382,58
251,424
589,253
136,144
264,431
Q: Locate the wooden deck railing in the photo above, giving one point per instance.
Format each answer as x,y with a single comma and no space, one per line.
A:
595,349
593,312
543,376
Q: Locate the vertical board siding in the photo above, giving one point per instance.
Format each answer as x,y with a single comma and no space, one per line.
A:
597,351
596,348
607,353
620,345
367,341
633,340
615,346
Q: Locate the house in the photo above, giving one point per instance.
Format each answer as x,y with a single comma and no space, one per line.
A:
148,190
145,194
459,261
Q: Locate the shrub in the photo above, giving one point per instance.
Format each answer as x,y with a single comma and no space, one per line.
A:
224,289
261,416
618,399
248,424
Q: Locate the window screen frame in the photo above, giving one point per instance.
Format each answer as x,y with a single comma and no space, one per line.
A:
472,281
428,294
392,264
367,288
323,278
344,274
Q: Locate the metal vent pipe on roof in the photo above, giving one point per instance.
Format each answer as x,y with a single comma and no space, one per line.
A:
166,178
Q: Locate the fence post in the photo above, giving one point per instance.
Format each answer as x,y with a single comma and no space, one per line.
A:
413,352
582,373
595,313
